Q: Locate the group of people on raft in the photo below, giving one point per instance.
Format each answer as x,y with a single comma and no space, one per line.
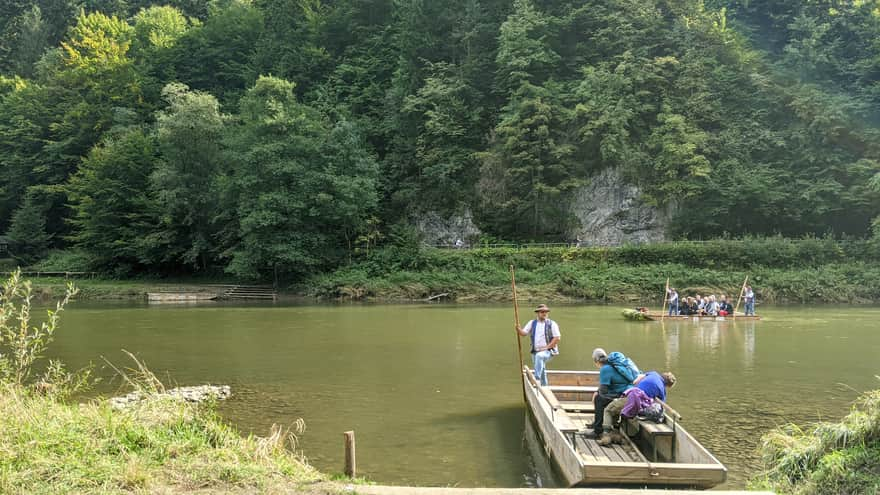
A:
708,305
624,391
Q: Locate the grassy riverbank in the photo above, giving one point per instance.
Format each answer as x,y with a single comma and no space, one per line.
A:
781,272
826,457
50,446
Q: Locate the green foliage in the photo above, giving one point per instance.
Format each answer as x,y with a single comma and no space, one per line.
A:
224,47
632,314
161,445
115,215
185,178
27,233
740,118
71,260
305,188
834,272
23,343
826,457
159,27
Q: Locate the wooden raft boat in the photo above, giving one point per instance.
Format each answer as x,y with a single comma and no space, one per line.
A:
631,314
652,455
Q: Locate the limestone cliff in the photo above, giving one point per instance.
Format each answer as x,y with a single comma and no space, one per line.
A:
611,212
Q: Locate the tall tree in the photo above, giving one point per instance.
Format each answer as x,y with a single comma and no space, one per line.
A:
529,153
304,188
224,48
27,232
186,178
116,217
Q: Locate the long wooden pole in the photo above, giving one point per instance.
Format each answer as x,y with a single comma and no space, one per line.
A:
516,320
741,292
665,296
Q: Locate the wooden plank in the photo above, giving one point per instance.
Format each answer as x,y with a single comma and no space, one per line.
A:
573,378
584,450
628,451
569,405
574,388
564,423
614,454
596,451
657,429
446,490
550,398
648,473
563,453
634,451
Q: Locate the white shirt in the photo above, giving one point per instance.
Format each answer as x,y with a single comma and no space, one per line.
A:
540,341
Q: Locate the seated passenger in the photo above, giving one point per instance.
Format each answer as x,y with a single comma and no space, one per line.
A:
725,308
685,308
712,307
640,399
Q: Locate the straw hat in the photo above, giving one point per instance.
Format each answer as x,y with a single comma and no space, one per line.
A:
542,307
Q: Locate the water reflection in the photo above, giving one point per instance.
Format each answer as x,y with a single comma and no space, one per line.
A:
709,337
540,472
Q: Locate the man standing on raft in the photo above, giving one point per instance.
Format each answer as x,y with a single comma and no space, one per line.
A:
545,339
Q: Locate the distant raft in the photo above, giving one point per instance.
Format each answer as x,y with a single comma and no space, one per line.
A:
645,315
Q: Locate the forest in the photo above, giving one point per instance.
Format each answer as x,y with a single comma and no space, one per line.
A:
286,138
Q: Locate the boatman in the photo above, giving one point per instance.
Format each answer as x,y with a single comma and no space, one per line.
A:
545,336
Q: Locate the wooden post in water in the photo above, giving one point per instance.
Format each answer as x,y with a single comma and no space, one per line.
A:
350,467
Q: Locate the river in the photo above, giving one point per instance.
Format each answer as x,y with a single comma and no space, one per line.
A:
433,393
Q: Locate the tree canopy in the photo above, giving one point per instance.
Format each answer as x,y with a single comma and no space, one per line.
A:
267,138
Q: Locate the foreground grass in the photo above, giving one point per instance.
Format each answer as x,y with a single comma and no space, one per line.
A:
159,446
826,458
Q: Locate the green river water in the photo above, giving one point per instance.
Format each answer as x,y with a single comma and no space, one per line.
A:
433,392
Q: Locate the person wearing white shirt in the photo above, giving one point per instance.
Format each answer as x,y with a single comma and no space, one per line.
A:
545,337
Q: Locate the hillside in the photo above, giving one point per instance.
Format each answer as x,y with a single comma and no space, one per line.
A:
281,138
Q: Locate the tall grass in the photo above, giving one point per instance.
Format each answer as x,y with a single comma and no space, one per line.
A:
49,446
825,458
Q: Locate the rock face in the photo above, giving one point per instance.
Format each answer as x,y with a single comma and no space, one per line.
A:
611,213
444,231
197,394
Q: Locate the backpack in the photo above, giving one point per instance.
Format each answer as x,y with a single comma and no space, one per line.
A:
624,366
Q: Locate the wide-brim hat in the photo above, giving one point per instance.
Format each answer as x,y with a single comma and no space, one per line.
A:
542,307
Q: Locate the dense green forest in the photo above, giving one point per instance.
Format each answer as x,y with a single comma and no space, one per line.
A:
289,137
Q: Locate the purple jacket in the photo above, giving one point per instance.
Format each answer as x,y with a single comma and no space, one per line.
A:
636,400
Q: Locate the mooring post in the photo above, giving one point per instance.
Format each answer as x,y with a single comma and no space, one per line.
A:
350,468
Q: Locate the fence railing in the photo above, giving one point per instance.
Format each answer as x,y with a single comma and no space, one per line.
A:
58,274
587,244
